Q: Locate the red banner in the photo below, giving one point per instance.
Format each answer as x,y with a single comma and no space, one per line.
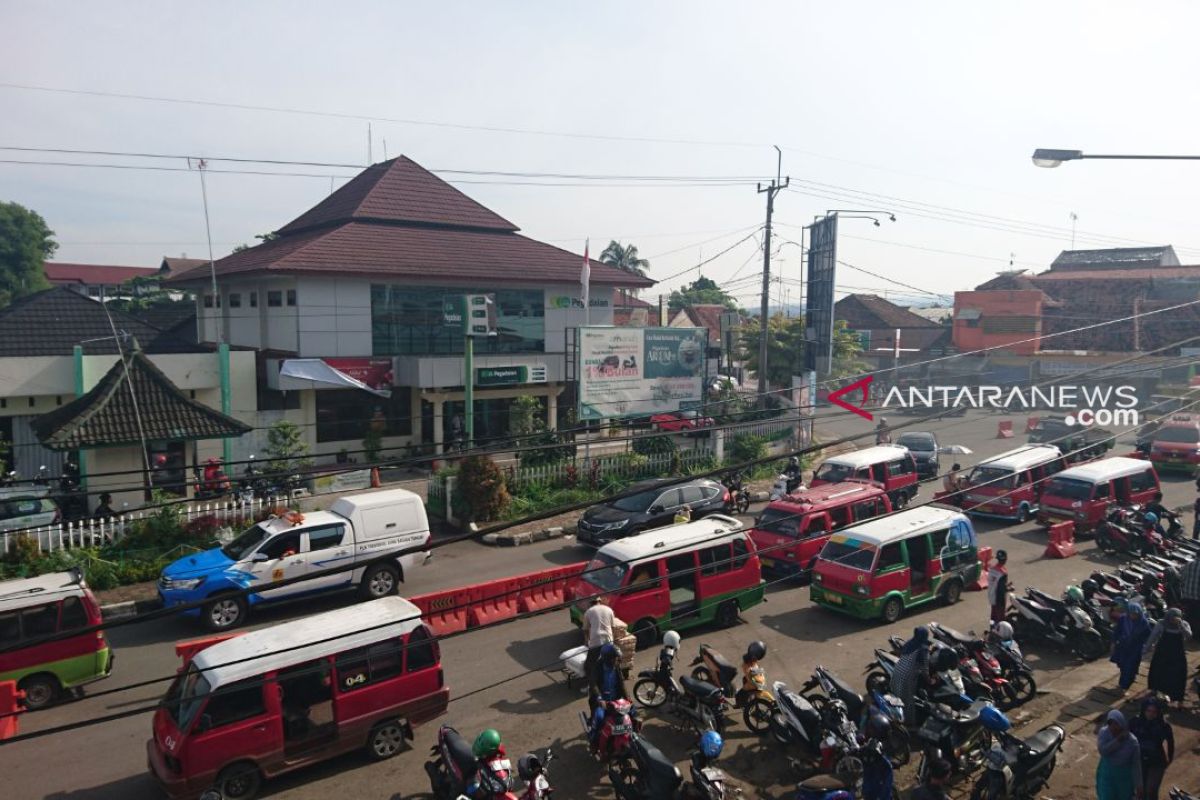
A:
374,372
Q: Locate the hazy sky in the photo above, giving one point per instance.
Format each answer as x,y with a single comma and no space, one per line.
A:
930,110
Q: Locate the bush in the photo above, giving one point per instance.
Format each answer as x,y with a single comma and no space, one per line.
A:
653,445
546,453
747,447
481,486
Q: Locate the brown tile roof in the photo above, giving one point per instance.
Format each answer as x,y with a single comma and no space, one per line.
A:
1192,271
869,311
52,322
399,190
175,265
59,272
397,251
707,315
107,415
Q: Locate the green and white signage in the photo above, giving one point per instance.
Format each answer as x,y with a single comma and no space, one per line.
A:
626,372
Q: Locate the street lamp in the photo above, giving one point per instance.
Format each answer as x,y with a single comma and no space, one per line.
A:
1049,158
857,214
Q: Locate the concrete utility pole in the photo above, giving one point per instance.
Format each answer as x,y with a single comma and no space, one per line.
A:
772,189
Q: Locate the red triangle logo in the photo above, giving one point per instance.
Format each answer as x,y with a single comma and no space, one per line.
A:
860,385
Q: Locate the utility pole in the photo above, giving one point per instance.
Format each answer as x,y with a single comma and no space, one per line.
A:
772,189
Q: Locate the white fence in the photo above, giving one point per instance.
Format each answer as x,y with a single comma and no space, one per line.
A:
93,533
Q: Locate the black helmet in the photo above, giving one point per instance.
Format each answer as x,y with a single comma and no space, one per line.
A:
756,651
1090,587
945,659
877,725
1098,578
528,766
1002,556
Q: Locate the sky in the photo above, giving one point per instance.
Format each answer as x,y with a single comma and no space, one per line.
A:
925,110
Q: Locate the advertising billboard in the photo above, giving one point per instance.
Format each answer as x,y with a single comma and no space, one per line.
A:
628,372
818,311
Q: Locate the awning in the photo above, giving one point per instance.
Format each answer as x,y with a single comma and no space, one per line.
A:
968,313
316,370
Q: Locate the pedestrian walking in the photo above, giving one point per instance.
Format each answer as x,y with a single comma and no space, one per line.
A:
1189,590
1168,667
1119,773
1157,742
998,586
597,632
912,671
1129,639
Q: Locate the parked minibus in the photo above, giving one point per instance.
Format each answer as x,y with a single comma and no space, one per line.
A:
790,532
1082,494
55,604
1176,443
253,706
880,568
673,578
1010,485
890,466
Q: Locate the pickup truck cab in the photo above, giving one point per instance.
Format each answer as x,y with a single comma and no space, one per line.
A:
374,538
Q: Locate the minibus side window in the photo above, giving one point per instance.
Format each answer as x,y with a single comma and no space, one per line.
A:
420,650
39,621
839,516
890,557
715,560
367,665
233,703
74,615
644,578
1141,481
741,553
10,628
1101,491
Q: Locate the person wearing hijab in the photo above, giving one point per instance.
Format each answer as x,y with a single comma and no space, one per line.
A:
1119,773
1129,638
912,671
1168,667
1157,742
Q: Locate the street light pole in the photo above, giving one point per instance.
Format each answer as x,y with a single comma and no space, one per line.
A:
772,189
1051,158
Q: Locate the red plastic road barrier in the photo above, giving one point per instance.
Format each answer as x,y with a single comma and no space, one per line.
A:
1032,423
985,559
546,589
493,601
187,650
446,612
1062,540
1004,429
455,610
10,706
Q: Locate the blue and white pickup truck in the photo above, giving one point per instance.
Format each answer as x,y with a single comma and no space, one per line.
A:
378,537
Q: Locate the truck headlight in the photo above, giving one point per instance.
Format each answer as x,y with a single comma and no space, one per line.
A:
182,583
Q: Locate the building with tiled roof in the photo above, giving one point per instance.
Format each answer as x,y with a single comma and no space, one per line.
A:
101,281
877,320
361,281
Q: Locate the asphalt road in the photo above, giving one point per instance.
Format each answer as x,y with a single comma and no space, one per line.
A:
503,666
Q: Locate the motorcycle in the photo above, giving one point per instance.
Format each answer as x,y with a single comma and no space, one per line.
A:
957,736
612,740
454,770
739,495
712,667
1122,532
644,774
825,735
1057,622
694,701
1018,769
1006,691
885,708
536,775
880,715
956,682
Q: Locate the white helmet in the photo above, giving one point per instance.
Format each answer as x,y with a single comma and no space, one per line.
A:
1004,631
671,639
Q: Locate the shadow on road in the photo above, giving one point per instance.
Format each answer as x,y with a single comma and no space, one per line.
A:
537,653
569,553
135,786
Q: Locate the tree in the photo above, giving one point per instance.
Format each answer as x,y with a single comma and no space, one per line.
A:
286,447
702,291
624,257
263,238
785,349
25,244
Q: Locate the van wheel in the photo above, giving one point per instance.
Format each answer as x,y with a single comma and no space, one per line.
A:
1023,514
386,740
381,580
952,592
40,691
646,633
223,612
239,782
901,500
892,609
727,614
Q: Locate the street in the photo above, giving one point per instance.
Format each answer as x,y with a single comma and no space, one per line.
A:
499,673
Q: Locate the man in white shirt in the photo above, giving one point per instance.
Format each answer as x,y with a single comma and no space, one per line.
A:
597,632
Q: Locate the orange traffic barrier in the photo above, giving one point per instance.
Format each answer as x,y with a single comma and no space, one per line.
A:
985,559
10,706
187,650
1004,429
546,589
1062,540
1031,424
445,612
494,601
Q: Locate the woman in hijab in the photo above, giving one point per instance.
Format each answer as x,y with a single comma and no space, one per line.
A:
1119,773
1157,742
1129,638
1168,667
912,671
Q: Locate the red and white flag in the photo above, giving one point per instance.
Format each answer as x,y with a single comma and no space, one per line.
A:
585,276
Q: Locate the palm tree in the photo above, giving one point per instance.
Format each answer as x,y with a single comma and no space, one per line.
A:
624,257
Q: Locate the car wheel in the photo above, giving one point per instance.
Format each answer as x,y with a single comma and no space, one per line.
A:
381,580
40,691
952,592
1023,514
386,740
901,500
727,614
224,613
239,782
646,633
892,609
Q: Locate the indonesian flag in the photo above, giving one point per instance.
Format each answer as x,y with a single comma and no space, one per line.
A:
585,276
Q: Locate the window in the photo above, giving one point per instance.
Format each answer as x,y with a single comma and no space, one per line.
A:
1142,481
208,301
901,466
367,665
715,560
867,509
274,298
291,297
74,615
39,621
253,299
235,300
778,521
1102,490
10,628
422,650
839,516
815,525
322,538
669,499
890,557
741,552
409,320
348,414
282,546
234,703
275,400
692,494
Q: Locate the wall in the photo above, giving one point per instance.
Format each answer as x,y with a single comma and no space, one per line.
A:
559,318
993,304
334,317
35,376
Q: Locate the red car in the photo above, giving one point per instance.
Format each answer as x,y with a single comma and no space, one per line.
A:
681,422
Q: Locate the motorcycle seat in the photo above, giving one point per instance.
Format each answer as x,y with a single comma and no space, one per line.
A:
957,636
701,689
1038,607
884,655
661,776
846,694
822,783
1045,740
460,752
726,672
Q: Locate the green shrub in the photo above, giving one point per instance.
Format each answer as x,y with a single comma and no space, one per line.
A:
481,486
652,445
747,447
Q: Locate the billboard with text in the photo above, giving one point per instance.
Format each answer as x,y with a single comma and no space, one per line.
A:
628,372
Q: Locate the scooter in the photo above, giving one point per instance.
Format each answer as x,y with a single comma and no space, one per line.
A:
1018,769
644,774
536,775
1059,623
885,709
957,736
1004,692
696,702
612,740
950,685
454,769
712,667
824,735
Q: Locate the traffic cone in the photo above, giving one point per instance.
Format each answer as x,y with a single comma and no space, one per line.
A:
376,482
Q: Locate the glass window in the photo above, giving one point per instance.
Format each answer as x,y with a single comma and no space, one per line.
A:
253,299
246,541
74,615
890,556
669,499
998,477
848,553
409,320
833,472
349,414
741,552
605,572
900,466
235,300
367,665
185,696
291,297
282,546
274,298
322,538
714,560
779,521
815,525
839,516
1141,481
39,621
234,703
637,502
1071,488
692,494
208,301
10,628
422,650
1102,490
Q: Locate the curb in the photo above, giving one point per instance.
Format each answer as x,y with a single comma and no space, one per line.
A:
527,537
129,608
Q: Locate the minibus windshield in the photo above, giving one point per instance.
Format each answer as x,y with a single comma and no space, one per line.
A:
1069,488
605,572
849,553
1178,434
1004,478
833,472
249,539
185,697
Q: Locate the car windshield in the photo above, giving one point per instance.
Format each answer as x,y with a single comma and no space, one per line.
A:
778,520
605,572
1178,434
849,553
241,547
186,696
1069,488
994,477
637,502
833,472
917,441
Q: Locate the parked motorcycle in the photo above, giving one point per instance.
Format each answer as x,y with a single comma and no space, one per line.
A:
878,780
696,702
739,495
956,682
1057,622
756,701
879,715
1018,769
1120,531
644,774
959,737
536,775
616,728
824,734
1005,691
